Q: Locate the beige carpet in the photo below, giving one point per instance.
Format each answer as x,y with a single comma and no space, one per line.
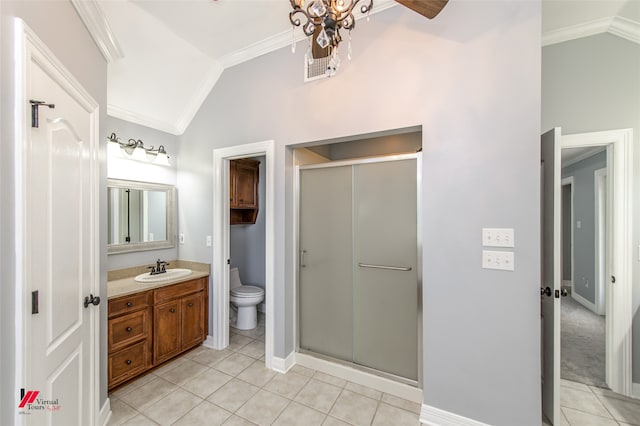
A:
582,350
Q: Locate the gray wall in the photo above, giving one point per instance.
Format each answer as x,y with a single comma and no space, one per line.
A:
57,23
584,238
247,241
471,79
131,170
400,143
592,84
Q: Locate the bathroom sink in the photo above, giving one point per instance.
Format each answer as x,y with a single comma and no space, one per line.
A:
171,274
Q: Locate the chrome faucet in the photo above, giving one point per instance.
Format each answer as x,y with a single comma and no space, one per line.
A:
160,267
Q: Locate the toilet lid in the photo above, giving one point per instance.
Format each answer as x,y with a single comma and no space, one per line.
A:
247,291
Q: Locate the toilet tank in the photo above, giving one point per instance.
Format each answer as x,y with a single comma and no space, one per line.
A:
234,278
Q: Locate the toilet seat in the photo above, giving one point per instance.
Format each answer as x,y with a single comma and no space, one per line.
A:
246,291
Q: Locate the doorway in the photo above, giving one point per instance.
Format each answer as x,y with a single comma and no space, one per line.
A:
584,265
619,249
221,243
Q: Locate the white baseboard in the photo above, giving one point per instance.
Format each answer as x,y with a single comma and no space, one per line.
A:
360,377
584,302
208,342
282,365
105,413
432,416
635,390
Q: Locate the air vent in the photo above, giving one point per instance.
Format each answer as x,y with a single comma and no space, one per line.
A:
317,69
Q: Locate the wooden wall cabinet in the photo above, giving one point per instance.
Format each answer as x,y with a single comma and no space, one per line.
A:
153,326
243,191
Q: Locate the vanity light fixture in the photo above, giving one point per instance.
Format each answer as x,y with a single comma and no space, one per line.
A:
135,150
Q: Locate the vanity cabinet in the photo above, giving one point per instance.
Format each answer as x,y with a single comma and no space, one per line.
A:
153,326
178,317
129,337
243,191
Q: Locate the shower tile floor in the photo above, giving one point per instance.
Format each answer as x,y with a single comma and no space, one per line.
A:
232,387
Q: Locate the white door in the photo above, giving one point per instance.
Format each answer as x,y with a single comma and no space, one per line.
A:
60,245
550,286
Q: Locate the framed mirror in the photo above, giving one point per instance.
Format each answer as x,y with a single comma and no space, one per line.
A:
141,216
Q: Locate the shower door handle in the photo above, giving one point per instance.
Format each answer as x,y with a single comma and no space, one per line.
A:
392,268
302,253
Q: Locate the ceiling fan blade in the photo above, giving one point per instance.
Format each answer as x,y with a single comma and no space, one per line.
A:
428,8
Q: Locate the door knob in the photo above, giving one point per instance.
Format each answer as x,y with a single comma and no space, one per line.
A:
546,291
91,299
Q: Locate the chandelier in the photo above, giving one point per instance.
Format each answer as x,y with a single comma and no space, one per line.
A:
323,20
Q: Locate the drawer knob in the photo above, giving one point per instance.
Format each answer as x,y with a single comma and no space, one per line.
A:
172,310
128,362
129,304
191,305
129,329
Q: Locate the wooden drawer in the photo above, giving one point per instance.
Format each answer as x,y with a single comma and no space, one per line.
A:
130,303
179,290
127,329
127,363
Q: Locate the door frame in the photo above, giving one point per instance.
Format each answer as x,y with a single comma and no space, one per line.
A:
570,181
359,374
619,147
221,250
29,47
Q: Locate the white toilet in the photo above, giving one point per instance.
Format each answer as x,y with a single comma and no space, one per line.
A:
246,299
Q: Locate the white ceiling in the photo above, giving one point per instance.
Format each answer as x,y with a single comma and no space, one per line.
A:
174,51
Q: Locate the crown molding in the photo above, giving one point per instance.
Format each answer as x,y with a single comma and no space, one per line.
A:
200,95
621,27
96,22
134,117
626,28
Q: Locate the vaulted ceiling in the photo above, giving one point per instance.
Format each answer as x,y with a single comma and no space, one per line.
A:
166,55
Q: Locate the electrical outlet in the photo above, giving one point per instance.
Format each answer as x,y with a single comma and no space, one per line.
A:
501,260
209,241
498,237
181,238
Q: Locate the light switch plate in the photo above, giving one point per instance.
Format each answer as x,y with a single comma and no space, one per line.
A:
500,260
498,237
181,238
208,240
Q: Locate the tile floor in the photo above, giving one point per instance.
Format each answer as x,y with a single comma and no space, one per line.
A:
232,387
583,405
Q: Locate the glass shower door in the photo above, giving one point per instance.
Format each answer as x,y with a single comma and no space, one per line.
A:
326,269
358,284
385,285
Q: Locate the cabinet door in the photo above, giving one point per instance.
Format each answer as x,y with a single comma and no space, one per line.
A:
233,199
192,320
166,326
246,185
